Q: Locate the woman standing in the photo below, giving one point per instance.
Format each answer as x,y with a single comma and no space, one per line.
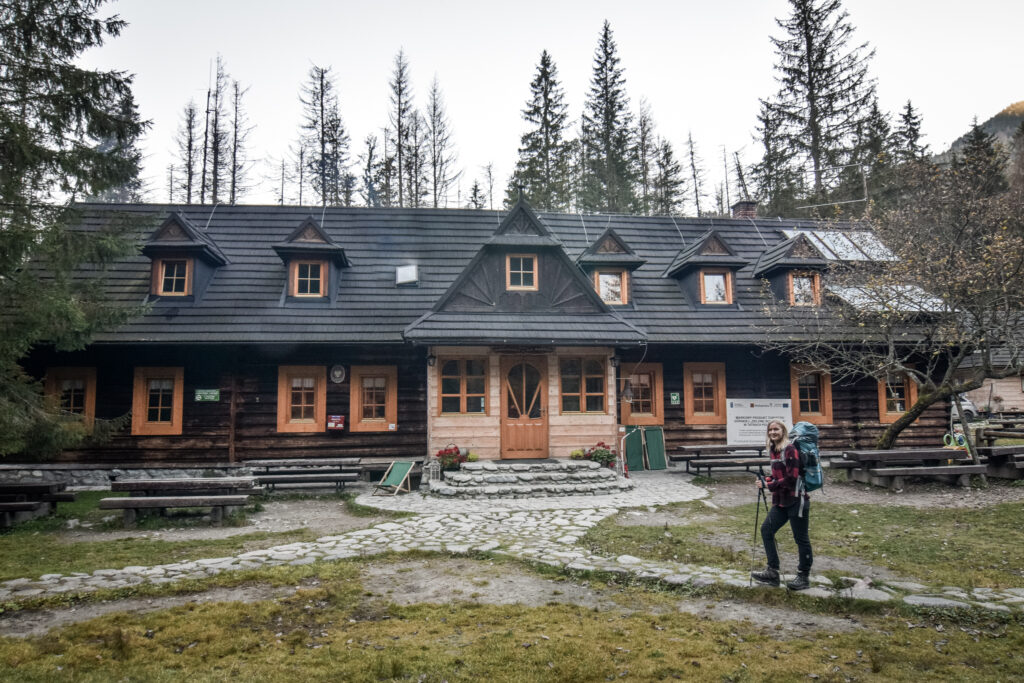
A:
782,482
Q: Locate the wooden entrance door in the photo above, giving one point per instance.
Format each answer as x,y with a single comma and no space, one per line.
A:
524,410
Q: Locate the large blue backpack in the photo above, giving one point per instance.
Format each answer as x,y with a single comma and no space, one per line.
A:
804,436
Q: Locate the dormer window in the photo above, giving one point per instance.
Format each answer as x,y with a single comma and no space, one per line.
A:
612,286
804,289
307,278
172,277
716,286
521,272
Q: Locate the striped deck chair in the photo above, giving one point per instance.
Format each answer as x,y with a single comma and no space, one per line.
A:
395,479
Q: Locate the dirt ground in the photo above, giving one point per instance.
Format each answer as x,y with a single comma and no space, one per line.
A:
444,580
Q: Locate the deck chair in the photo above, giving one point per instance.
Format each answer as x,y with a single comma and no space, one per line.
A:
395,479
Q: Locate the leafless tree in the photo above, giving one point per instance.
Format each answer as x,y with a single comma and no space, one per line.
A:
188,150
238,169
440,147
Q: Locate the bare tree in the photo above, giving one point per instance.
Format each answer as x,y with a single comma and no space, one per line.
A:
326,139
440,148
219,140
239,166
697,172
188,150
400,116
489,181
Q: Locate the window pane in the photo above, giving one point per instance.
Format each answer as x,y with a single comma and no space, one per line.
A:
475,404
703,393
642,394
609,287
809,389
450,404
595,385
374,395
475,368
570,404
307,281
595,404
450,385
714,288
160,400
593,367
450,368
896,394
175,277
474,385
72,395
803,290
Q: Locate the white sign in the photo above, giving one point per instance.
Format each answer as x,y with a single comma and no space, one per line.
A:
748,418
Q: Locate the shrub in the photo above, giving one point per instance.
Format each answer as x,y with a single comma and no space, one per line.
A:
451,457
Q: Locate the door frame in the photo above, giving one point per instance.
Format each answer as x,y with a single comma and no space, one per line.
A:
506,364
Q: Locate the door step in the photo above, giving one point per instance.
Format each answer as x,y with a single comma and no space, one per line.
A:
502,479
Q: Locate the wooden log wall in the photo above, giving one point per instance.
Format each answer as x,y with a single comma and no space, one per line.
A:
755,373
247,379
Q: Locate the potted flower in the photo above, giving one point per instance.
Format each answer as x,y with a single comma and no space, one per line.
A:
602,454
451,456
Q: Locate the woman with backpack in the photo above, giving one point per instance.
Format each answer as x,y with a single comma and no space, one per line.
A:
783,484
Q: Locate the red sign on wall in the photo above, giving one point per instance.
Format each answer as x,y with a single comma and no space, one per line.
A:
335,422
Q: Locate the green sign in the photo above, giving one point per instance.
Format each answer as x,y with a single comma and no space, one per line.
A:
204,395
673,398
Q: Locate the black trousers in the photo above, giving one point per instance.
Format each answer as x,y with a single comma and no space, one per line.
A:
776,519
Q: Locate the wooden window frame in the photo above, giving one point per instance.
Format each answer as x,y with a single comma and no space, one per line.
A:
623,274
140,401
358,424
285,373
886,417
508,273
293,278
657,396
719,416
728,286
461,360
796,371
816,287
54,376
583,393
157,276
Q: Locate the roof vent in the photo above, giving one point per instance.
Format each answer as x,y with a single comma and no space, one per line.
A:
407,276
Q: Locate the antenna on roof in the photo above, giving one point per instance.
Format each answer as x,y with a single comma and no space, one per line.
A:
681,240
205,227
583,223
763,241
323,214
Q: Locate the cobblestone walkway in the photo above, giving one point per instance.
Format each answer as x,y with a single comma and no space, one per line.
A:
545,531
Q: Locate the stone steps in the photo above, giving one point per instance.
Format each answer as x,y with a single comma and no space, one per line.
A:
530,480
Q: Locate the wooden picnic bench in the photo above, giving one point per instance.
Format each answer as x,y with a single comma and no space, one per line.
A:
131,505
25,500
189,486
1005,462
711,456
891,467
334,471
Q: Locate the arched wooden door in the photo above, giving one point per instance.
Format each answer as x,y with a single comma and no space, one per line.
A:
524,410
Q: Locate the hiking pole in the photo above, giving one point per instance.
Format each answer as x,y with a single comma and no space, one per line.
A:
757,520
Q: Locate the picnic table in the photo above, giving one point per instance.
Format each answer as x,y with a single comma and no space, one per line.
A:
188,486
301,471
891,467
25,500
1006,462
708,456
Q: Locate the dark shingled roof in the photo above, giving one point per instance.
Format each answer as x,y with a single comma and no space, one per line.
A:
796,252
246,300
695,255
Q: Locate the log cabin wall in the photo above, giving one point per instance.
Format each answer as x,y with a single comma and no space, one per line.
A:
249,376
751,372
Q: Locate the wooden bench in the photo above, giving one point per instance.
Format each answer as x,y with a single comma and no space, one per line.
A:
338,479
709,452
130,506
1005,462
890,467
189,486
336,471
9,511
708,464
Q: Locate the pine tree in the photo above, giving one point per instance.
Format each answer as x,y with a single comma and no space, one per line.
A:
608,177
981,163
239,164
218,154
369,168
325,138
188,151
826,91
477,197
775,176
877,157
741,177
400,116
52,112
667,184
907,136
416,163
132,190
440,149
542,170
697,173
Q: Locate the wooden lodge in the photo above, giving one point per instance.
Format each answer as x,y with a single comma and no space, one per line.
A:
270,332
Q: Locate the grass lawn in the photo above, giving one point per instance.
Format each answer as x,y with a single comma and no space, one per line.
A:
957,547
330,633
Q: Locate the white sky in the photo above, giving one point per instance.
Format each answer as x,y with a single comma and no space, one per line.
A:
701,65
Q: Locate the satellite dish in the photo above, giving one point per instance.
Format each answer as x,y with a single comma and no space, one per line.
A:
337,374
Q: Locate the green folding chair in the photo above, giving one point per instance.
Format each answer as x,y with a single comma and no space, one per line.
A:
395,479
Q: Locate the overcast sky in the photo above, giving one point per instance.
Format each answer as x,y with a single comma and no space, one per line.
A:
701,66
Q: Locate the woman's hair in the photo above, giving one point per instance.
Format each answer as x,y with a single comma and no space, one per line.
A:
785,435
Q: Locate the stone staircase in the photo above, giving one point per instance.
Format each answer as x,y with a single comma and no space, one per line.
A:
535,479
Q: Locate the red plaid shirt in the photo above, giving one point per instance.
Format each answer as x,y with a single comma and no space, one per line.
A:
784,476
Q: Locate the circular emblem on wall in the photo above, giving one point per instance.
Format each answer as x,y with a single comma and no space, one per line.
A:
337,374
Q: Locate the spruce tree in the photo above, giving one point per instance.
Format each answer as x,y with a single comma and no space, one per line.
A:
52,114
776,177
667,183
907,136
608,176
477,197
188,152
440,148
647,147
400,116
825,90
981,162
697,173
325,137
543,168
218,153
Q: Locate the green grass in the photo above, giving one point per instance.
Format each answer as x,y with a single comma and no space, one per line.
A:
960,547
330,633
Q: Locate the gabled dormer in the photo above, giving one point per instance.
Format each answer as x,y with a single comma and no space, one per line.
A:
707,270
609,262
793,271
183,258
522,268
313,263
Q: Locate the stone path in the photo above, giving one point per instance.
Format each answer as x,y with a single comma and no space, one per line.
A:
545,531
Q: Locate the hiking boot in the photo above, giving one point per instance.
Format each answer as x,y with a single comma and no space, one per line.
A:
767,576
799,583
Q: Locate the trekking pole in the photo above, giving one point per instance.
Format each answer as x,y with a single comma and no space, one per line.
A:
757,520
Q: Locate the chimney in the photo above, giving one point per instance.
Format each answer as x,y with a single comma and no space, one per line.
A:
745,208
